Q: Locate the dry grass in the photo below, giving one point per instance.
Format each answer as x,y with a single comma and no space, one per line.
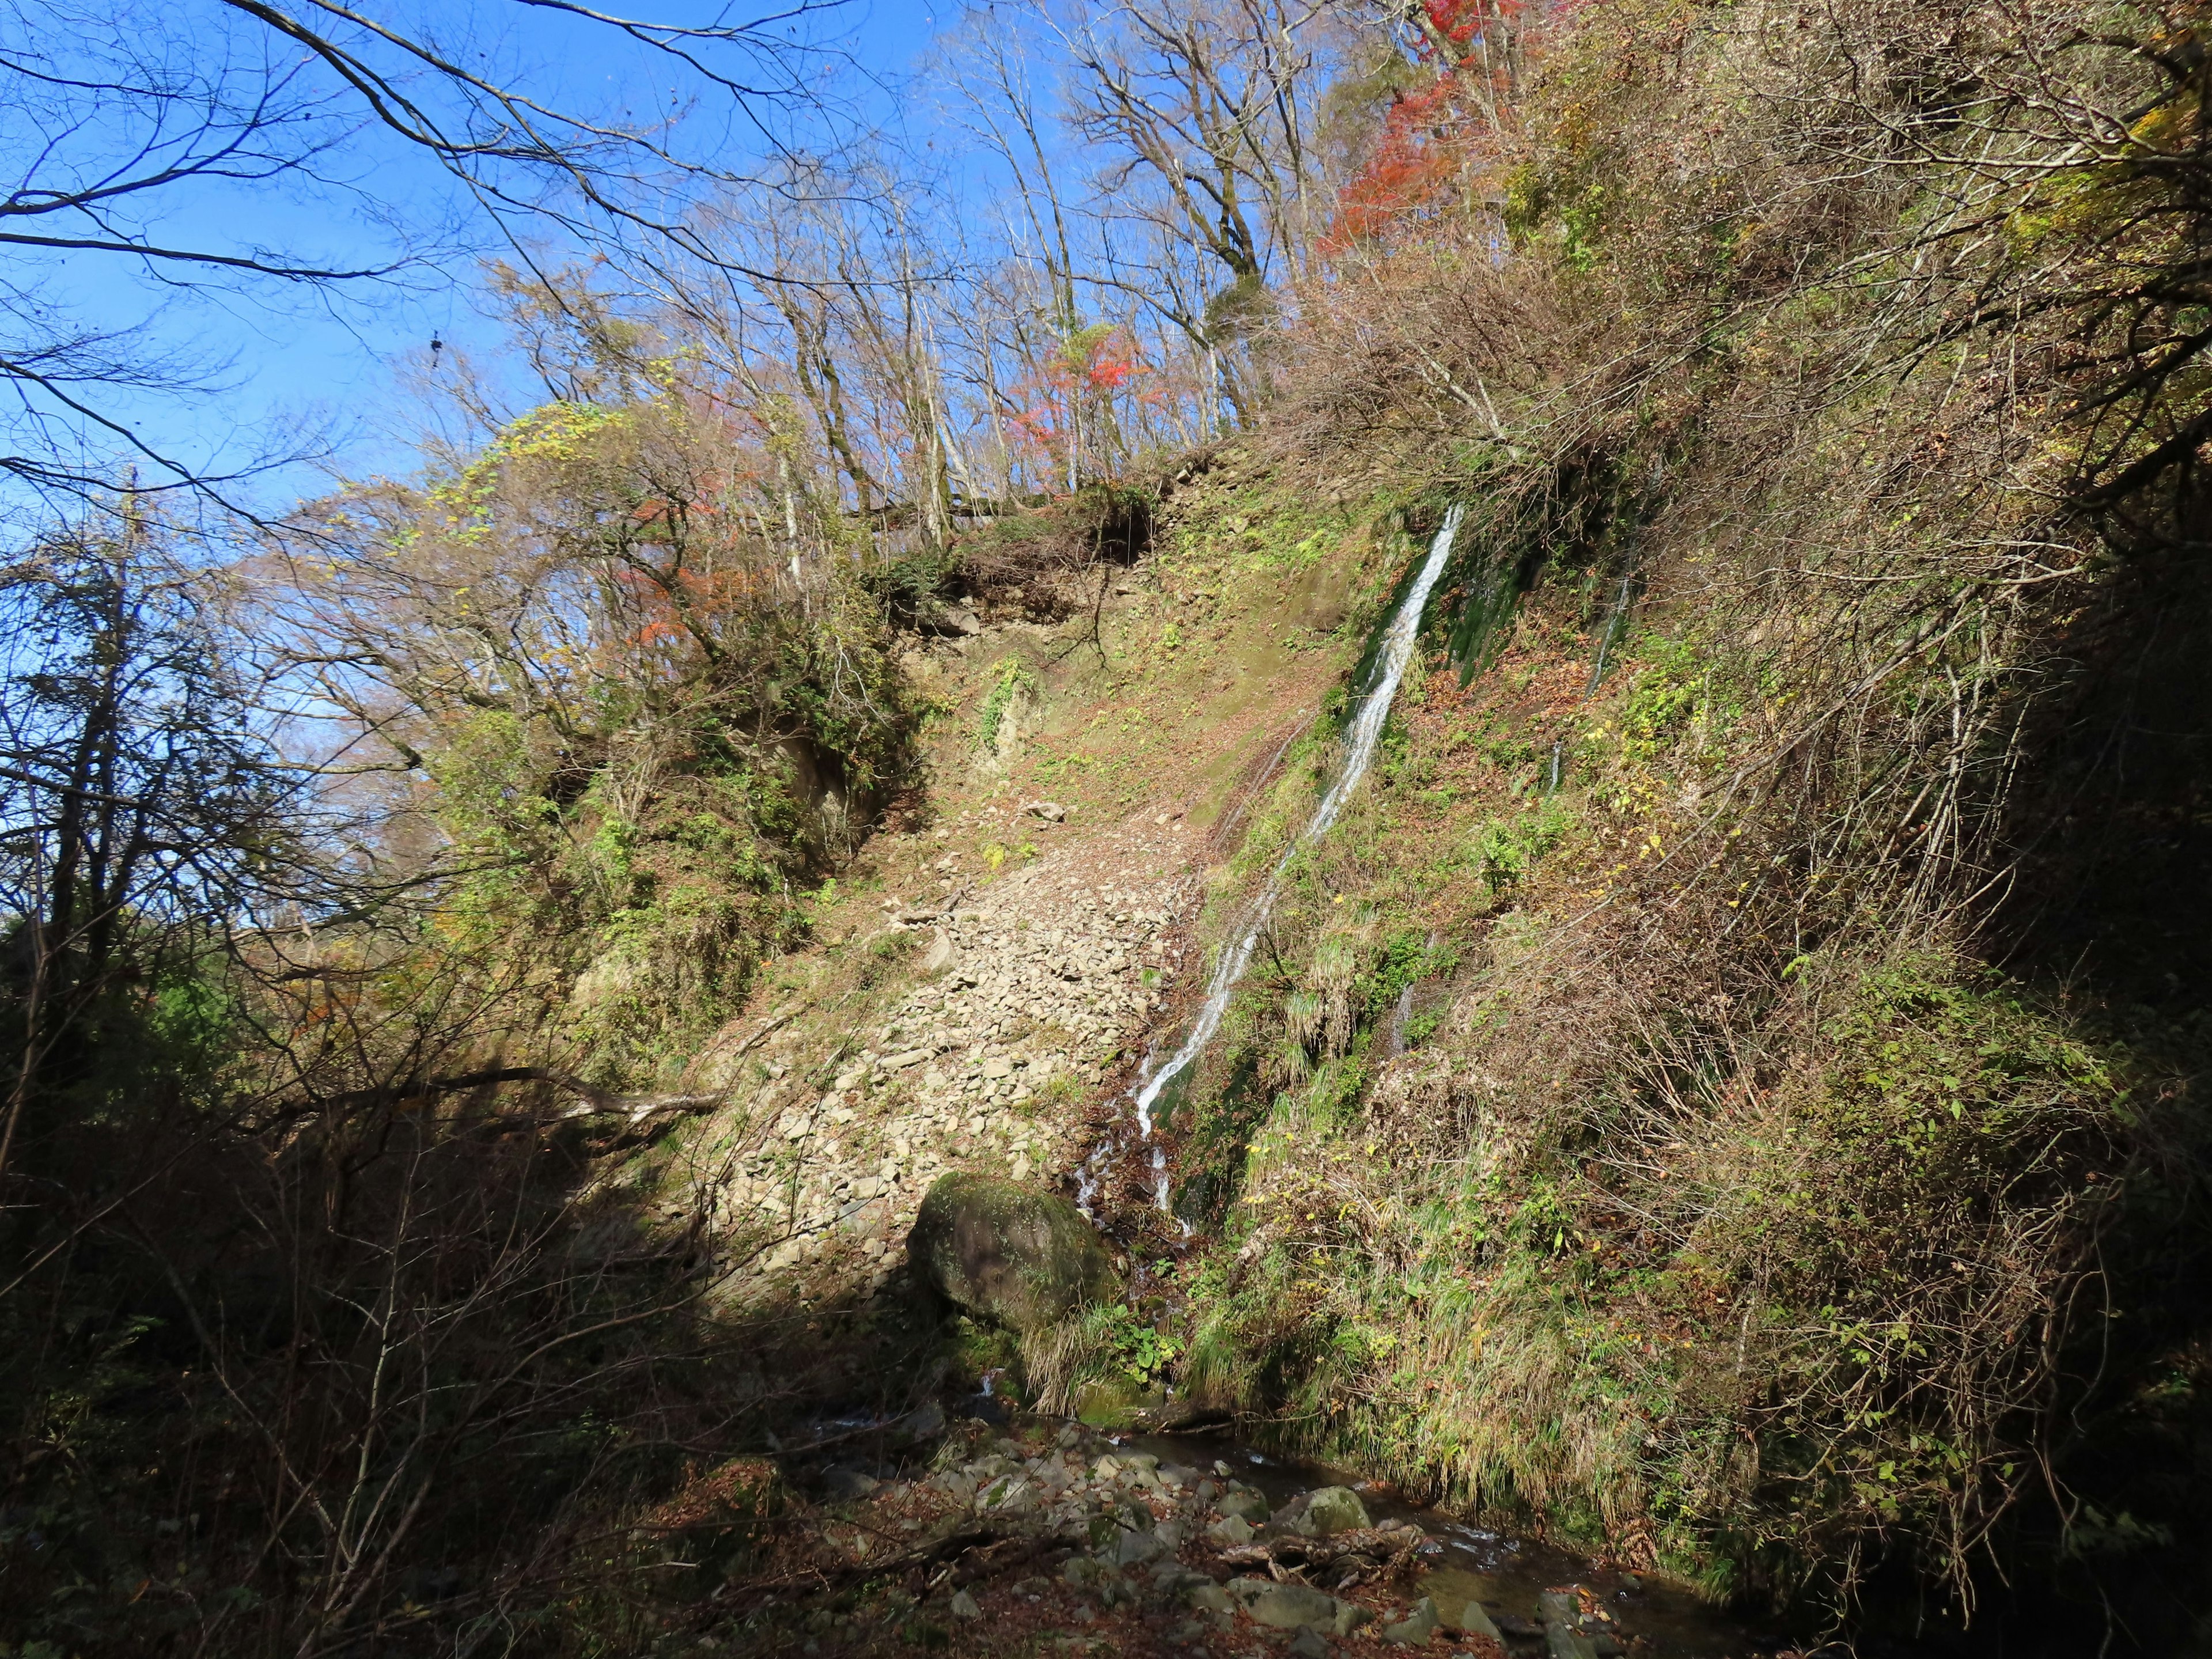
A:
1738,1214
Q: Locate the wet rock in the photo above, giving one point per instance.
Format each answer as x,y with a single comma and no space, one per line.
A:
1467,1617
1421,1624
1011,1254
1563,1615
1321,1513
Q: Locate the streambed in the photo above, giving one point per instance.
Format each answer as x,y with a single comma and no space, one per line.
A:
1650,1617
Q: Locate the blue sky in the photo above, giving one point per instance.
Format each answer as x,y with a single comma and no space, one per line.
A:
332,359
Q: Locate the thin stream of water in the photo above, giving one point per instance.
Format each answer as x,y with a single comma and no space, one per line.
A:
1361,738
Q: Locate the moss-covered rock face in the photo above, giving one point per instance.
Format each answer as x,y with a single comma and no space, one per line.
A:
1009,1253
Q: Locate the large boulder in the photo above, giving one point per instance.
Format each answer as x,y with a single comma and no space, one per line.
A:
1322,1513
1008,1252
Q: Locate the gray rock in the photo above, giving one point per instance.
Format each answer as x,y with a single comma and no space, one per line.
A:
941,955
1560,1607
1285,1607
1562,1613
1134,1549
1470,1619
963,1606
1206,1597
1242,1501
1307,1645
1230,1531
1023,1258
846,1484
1421,1624
1334,1509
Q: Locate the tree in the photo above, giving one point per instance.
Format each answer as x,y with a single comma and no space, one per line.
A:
1206,111
138,802
125,116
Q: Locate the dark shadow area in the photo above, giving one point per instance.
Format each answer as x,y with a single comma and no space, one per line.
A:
2112,821
376,1383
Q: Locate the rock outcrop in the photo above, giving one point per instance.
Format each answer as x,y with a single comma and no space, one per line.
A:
1008,1252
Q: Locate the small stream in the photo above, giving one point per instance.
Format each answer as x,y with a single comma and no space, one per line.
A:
1655,1617
1361,738
1658,1618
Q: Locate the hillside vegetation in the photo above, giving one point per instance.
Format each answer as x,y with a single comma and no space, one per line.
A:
1723,1097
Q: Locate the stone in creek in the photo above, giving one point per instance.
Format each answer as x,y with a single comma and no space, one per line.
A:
1455,1593
1021,1258
1319,1514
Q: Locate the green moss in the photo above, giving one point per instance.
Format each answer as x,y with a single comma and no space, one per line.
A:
1009,679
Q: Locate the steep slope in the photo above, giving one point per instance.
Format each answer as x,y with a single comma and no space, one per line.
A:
1696,1096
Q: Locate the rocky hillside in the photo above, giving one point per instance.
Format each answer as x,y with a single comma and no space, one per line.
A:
1585,943
1718,1094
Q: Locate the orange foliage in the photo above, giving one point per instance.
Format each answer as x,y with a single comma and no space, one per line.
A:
1425,143
1094,368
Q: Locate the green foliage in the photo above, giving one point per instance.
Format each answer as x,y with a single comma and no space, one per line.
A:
1009,679
1130,1346
913,588
1504,850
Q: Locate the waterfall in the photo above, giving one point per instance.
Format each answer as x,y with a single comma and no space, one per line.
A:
1361,737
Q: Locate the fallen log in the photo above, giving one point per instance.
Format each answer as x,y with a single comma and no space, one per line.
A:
1368,1555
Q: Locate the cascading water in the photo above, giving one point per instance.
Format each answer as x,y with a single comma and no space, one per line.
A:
1363,735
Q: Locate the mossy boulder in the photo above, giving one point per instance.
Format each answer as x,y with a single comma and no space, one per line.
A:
1008,1252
